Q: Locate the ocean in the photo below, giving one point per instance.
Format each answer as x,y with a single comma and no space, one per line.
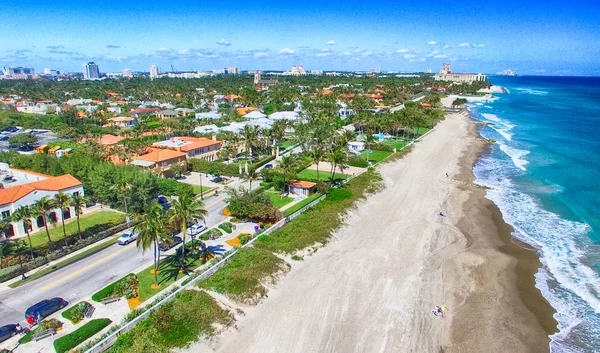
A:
544,175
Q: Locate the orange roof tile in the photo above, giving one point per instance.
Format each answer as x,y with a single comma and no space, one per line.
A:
107,140
58,183
34,173
196,142
160,155
302,184
244,111
119,119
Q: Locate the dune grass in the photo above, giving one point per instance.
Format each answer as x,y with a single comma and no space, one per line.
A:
301,204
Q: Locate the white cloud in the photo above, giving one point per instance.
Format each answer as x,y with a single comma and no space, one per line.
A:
409,56
347,53
367,53
402,50
434,52
224,42
432,42
287,51
322,55
480,45
261,54
325,49
441,56
541,70
446,47
164,50
422,59
464,44
331,42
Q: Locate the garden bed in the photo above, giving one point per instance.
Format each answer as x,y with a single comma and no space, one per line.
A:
75,338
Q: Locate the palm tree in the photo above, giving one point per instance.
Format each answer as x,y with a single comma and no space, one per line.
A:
370,139
63,202
22,214
336,157
288,165
317,155
250,135
151,229
184,210
123,187
78,202
251,176
41,208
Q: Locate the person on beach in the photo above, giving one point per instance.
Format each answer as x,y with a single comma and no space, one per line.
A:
442,214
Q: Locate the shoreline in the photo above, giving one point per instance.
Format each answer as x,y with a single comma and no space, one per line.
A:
371,289
523,303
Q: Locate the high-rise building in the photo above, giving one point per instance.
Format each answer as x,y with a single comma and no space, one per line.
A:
127,73
257,77
154,71
91,71
18,71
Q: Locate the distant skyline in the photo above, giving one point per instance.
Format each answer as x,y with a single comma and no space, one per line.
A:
530,37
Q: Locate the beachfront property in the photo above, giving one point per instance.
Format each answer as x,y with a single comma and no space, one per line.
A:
446,74
24,188
160,161
301,188
356,146
203,148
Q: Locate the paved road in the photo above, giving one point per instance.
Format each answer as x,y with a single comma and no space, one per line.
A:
84,277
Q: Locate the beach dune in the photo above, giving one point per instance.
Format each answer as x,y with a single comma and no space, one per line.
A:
372,289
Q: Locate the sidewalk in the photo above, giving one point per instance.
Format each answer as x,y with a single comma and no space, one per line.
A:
117,311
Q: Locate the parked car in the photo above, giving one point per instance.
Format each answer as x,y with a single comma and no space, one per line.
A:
127,238
45,308
162,199
4,138
164,246
196,229
7,331
268,166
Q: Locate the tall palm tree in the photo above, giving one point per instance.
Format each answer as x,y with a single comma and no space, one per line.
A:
288,165
370,140
78,202
22,214
250,136
317,155
62,201
41,208
123,187
336,158
251,176
184,210
151,229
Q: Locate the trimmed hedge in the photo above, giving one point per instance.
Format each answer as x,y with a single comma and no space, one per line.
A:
169,187
358,161
226,227
75,338
76,312
202,166
262,162
109,290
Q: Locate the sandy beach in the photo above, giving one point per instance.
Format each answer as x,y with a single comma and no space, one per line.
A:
373,287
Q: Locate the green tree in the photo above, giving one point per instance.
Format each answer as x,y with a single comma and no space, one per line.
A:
370,140
23,140
317,154
62,201
336,158
151,230
123,187
41,208
22,214
78,202
185,209
288,165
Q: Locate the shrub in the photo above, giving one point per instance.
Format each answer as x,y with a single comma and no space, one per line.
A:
244,238
110,290
76,312
50,323
173,187
358,161
322,187
202,166
128,287
262,162
226,227
73,339
236,220
382,147
339,194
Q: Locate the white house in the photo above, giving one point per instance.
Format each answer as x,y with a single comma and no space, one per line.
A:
205,129
356,146
254,115
285,115
25,188
209,115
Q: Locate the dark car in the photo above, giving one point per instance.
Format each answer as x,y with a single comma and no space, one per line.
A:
166,245
45,308
7,332
268,166
162,199
3,138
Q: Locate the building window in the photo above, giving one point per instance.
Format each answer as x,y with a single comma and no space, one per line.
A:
5,214
76,193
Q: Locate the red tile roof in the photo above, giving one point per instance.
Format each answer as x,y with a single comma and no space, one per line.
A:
160,155
58,183
108,140
302,184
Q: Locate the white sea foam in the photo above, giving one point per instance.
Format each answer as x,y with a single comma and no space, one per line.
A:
492,117
504,133
516,155
532,91
570,286
487,106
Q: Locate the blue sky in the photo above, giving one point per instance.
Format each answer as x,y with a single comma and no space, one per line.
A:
531,37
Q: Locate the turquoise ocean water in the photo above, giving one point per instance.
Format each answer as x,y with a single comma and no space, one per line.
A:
544,172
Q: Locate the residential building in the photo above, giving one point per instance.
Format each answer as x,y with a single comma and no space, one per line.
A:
167,114
446,74
127,73
302,189
18,71
185,111
91,71
122,121
206,129
356,146
25,188
193,147
208,115
139,111
254,115
154,72
110,140
161,160
285,115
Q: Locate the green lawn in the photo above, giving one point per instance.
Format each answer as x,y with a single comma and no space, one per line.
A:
301,204
197,189
311,175
286,144
87,221
276,198
397,144
375,156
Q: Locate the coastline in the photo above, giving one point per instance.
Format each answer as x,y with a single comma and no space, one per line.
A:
516,318
372,288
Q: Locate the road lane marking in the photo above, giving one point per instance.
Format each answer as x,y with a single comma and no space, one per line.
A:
95,263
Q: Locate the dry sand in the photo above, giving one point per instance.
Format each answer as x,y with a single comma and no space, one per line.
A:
373,287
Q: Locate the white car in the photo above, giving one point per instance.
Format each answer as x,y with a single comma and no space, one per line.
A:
196,229
127,238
